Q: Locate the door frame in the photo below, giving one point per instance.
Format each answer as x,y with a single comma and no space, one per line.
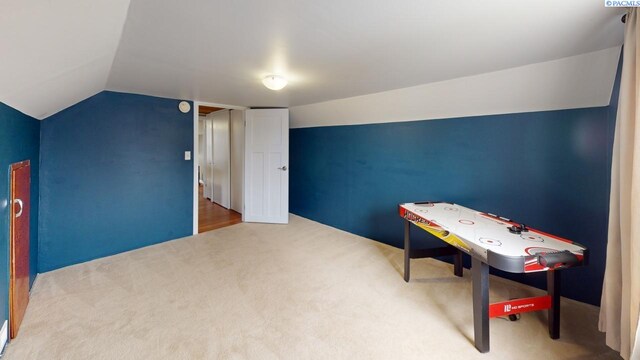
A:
195,157
234,179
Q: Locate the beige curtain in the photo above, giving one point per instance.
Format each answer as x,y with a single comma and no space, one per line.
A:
621,290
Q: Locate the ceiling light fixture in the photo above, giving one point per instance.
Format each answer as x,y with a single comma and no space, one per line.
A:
274,82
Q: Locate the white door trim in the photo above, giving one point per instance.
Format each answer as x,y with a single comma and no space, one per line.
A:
195,156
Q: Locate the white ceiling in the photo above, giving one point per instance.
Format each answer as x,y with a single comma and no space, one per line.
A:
54,54
218,51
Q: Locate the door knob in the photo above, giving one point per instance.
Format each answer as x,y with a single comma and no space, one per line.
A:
284,168
18,202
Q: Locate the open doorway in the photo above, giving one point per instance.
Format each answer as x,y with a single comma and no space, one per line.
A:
219,163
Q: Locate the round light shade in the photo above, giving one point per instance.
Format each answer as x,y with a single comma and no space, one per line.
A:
184,106
274,82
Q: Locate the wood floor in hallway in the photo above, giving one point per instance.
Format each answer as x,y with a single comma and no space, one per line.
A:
212,216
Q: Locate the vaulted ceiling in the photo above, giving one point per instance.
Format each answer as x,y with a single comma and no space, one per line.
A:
56,53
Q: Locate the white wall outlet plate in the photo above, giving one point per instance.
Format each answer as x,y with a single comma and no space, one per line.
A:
187,155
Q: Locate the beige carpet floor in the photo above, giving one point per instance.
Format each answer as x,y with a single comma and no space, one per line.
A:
297,291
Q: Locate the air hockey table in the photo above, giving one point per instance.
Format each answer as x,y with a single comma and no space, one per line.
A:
498,242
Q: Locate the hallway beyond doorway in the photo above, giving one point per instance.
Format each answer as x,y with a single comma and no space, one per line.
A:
213,216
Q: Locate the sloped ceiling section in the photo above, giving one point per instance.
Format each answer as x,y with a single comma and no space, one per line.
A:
218,50
573,82
57,53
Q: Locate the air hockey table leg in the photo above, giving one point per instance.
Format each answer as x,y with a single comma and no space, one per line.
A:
480,275
553,290
407,250
457,263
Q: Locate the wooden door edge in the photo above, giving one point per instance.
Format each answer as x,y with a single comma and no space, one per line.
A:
12,168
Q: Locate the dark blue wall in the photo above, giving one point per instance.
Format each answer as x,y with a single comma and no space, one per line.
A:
19,141
547,169
113,178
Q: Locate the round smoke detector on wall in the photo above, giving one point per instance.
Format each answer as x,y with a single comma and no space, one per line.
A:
184,106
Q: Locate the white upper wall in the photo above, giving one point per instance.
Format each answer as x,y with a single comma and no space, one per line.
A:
573,82
56,53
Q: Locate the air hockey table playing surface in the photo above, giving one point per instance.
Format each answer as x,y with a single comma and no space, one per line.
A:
487,237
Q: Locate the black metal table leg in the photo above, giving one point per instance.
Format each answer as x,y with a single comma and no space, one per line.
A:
407,250
553,290
457,263
480,275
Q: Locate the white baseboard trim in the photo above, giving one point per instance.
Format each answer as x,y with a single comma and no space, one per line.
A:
4,332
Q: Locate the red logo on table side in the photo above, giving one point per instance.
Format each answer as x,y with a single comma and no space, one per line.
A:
510,308
519,306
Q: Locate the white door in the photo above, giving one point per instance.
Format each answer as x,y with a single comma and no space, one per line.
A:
236,128
208,159
266,172
221,158
201,152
